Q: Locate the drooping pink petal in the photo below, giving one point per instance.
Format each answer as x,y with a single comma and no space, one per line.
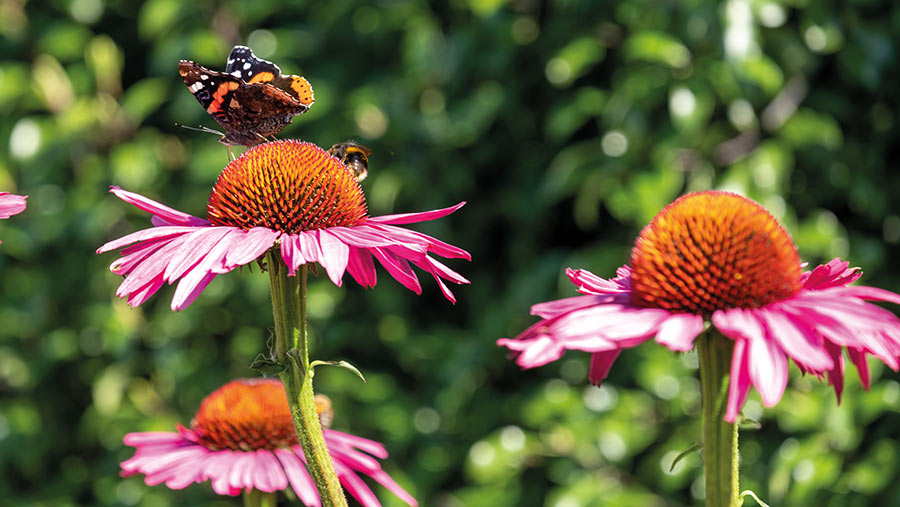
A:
535,352
398,268
797,340
859,359
739,381
299,478
601,362
836,374
268,475
335,256
355,486
679,330
361,267
768,369
252,245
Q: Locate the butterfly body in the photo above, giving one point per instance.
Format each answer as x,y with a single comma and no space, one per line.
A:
251,100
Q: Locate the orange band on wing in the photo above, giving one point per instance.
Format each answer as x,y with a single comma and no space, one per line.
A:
219,96
262,77
303,90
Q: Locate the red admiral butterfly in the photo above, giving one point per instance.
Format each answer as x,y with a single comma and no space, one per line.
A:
251,99
354,155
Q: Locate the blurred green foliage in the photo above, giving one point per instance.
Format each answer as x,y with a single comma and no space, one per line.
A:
566,125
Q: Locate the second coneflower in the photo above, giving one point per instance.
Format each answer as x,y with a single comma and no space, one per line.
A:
720,262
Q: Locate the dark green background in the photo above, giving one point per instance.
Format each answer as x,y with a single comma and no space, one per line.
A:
521,108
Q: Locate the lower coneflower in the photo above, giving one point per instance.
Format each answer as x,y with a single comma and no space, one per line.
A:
719,260
288,194
242,439
11,204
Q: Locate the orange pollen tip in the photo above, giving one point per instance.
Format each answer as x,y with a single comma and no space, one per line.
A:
711,251
288,186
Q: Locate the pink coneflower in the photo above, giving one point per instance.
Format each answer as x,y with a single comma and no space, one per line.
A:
242,438
288,194
11,204
719,258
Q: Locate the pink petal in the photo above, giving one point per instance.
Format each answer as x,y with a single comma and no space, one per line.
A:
361,267
859,359
335,256
11,204
589,283
678,331
268,474
551,309
299,478
768,370
411,218
796,339
871,294
355,486
398,268
161,210
601,362
251,246
145,235
739,381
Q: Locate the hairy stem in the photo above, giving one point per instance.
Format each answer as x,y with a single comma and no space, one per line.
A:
292,351
720,438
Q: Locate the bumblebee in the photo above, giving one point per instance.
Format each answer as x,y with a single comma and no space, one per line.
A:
354,155
325,410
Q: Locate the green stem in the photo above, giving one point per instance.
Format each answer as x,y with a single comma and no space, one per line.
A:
720,438
257,498
292,350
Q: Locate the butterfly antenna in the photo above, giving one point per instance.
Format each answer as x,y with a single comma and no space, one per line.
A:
201,128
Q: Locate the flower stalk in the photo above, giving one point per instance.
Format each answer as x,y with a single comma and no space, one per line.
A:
292,351
257,498
720,438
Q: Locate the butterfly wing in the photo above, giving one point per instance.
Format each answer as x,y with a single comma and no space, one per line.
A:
244,65
211,89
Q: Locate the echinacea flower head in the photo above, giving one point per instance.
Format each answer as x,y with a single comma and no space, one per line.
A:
241,438
11,204
717,258
290,195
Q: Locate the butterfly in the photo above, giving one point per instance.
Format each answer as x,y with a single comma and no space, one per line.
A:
251,100
355,156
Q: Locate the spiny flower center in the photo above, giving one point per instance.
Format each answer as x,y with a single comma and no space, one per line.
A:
710,251
245,414
288,186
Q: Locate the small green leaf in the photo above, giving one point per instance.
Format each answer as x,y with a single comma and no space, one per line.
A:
339,364
753,496
694,448
266,366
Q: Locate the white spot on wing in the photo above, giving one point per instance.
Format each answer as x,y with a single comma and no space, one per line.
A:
204,77
236,73
246,65
196,86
